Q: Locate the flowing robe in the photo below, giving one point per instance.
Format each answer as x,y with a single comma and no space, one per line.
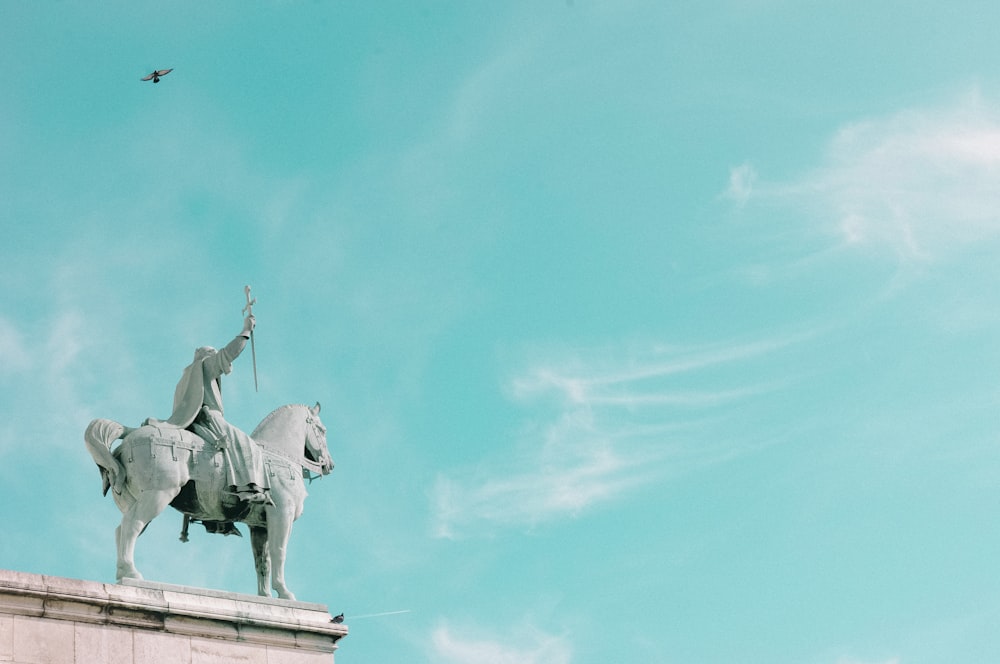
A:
198,407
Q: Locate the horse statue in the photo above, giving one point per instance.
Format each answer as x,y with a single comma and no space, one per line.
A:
156,466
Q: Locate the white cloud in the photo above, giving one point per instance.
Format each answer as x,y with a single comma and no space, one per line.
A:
921,182
532,647
575,468
635,381
741,181
606,428
14,356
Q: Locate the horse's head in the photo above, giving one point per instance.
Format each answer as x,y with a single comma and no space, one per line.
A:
316,450
284,429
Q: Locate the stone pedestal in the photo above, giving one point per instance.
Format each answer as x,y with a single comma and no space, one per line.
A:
52,620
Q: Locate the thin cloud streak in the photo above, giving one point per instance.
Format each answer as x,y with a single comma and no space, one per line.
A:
14,357
597,446
680,398
555,487
581,389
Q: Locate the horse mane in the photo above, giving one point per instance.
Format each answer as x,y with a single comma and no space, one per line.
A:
273,414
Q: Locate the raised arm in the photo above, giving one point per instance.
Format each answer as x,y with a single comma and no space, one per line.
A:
221,362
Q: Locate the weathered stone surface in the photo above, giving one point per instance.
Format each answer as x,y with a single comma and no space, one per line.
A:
6,638
206,651
52,620
161,648
103,643
301,657
43,641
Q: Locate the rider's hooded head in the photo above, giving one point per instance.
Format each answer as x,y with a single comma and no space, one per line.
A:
204,352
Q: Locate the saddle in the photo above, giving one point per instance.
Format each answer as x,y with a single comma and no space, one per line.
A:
206,495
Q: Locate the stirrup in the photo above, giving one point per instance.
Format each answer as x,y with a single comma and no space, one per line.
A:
252,497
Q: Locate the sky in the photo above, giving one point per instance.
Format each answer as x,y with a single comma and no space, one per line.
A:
643,331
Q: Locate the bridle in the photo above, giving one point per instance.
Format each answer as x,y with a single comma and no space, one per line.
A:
319,431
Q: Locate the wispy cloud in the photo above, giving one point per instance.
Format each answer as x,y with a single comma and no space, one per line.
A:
14,356
528,646
921,182
41,364
575,467
605,426
634,381
741,181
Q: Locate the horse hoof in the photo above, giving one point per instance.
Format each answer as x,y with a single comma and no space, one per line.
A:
130,574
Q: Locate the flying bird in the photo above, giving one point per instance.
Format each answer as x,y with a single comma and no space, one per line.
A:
338,619
157,73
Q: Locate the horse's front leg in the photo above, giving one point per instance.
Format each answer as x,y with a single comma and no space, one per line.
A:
261,558
279,527
148,505
122,570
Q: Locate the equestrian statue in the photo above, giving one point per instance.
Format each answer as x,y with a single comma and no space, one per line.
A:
198,463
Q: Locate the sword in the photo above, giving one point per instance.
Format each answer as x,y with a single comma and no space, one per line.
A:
248,310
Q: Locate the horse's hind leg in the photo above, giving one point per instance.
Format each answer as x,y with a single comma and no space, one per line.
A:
147,507
261,559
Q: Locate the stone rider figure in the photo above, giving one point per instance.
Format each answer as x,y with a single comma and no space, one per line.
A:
198,408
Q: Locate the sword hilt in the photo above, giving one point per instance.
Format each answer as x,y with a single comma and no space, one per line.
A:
248,309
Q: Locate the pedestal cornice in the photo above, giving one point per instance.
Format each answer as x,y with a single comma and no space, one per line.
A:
180,610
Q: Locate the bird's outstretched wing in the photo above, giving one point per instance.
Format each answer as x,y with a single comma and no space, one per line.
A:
157,73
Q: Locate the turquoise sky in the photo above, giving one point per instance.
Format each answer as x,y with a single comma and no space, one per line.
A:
645,332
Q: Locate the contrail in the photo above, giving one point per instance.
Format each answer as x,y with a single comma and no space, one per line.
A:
376,615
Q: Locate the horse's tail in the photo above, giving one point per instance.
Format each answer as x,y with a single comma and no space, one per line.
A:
99,436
